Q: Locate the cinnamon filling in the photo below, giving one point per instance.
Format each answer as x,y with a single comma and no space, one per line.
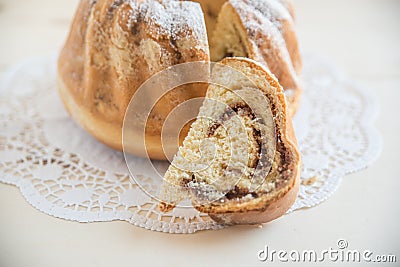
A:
262,162
242,109
238,192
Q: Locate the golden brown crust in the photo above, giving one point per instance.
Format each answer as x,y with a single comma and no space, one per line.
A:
268,34
107,132
273,210
272,205
115,46
266,42
110,133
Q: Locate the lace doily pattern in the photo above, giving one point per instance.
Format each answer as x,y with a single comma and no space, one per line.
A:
64,172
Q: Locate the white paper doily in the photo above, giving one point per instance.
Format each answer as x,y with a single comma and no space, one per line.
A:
64,172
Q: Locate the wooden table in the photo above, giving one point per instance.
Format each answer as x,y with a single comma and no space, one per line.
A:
361,36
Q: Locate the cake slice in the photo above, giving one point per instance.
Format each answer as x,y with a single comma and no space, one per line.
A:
239,163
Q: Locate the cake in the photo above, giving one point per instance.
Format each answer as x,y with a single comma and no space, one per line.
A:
263,31
211,11
239,162
114,46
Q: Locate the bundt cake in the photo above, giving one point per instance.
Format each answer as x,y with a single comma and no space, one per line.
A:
116,45
239,163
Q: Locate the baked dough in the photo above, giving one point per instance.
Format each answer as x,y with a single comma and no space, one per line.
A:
116,45
239,162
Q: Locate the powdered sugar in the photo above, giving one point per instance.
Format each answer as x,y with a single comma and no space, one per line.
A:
172,18
274,11
265,18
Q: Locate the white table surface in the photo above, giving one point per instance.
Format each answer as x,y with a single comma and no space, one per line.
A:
361,36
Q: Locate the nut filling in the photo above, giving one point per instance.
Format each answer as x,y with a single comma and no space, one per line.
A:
261,164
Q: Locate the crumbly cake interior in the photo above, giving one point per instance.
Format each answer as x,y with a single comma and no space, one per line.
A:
227,40
233,151
211,11
263,31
